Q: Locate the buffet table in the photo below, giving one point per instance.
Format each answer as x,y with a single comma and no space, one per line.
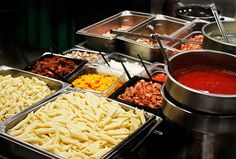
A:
148,119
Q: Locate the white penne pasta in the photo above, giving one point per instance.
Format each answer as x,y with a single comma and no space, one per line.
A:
78,135
50,141
100,153
20,124
108,138
16,132
134,123
105,121
60,153
89,113
117,132
79,154
65,147
92,148
50,147
67,140
29,128
98,115
119,137
85,127
113,125
56,139
32,140
141,115
92,137
45,131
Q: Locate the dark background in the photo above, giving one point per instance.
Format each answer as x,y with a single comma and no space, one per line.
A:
37,24
34,27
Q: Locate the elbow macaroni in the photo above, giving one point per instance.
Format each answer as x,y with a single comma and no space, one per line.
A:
75,131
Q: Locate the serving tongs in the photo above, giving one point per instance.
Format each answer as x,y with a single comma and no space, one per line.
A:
150,36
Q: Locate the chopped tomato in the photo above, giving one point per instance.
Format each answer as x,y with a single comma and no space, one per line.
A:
189,46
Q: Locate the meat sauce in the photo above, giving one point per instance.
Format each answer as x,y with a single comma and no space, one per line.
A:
208,79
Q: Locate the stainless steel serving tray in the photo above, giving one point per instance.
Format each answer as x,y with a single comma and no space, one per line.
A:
53,84
124,58
79,64
163,25
195,120
94,33
156,67
151,122
101,69
192,28
192,34
83,50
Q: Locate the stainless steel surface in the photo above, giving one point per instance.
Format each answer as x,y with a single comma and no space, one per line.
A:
163,25
122,57
79,64
130,62
94,33
101,69
153,69
200,136
194,27
210,32
166,59
190,35
151,121
196,121
53,84
82,50
198,100
161,37
219,23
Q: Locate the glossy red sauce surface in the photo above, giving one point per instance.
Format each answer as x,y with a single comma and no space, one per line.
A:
213,80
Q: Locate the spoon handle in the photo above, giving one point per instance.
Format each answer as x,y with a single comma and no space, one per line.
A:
219,23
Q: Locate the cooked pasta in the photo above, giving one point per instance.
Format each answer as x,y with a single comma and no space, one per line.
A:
78,125
18,93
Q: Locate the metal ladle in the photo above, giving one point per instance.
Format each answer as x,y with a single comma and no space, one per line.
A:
219,23
166,59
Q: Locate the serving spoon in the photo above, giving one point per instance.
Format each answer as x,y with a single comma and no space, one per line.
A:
166,59
219,23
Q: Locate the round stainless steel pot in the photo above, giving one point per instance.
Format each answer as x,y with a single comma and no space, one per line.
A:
198,100
196,121
198,135
210,31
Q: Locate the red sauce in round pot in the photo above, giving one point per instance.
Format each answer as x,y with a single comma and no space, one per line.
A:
210,79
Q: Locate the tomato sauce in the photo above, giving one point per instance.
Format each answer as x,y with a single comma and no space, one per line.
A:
160,77
212,80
